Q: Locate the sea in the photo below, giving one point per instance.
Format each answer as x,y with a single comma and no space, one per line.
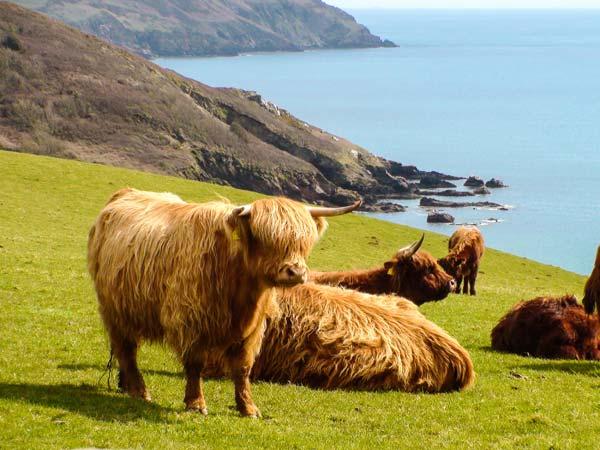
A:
511,94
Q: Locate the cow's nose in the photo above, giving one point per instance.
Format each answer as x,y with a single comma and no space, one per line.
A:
294,273
452,285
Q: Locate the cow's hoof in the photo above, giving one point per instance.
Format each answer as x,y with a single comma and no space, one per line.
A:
197,407
251,413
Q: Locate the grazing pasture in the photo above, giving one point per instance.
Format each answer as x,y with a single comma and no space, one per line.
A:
53,349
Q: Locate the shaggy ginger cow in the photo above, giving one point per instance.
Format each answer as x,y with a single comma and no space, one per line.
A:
200,277
549,328
462,262
332,338
410,273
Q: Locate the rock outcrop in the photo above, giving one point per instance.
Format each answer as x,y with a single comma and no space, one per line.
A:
474,181
439,217
494,183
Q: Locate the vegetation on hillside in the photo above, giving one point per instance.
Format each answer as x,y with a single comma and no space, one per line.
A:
53,350
212,27
64,93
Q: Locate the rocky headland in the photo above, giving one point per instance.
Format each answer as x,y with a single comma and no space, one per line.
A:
154,28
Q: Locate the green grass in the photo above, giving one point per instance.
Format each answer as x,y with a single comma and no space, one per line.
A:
53,349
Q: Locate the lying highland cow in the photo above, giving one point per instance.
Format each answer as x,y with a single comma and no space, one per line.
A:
332,338
462,262
199,277
549,328
410,273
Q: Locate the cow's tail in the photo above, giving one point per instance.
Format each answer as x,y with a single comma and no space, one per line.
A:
108,370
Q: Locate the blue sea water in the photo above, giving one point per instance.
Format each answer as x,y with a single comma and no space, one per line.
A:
507,94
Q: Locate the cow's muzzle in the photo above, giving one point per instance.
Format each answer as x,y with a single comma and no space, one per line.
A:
291,274
452,285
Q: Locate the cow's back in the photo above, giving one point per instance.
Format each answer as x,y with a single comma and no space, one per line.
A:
467,241
153,258
328,337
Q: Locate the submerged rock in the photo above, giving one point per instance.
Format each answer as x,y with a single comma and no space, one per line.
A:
432,202
445,193
481,191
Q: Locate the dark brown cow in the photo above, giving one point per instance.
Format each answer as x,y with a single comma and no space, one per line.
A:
200,277
549,327
591,299
465,248
410,273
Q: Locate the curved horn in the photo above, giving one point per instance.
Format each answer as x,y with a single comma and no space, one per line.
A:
409,250
243,210
319,211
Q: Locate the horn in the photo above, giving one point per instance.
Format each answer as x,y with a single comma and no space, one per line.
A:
242,211
319,211
409,250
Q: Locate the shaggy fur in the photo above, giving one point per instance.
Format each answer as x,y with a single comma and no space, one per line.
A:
418,278
200,277
591,299
465,248
333,338
549,328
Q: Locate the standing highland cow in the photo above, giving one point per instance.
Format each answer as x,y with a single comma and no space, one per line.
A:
410,273
334,338
462,262
200,277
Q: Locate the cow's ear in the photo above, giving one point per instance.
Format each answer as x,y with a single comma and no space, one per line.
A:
390,267
238,223
322,225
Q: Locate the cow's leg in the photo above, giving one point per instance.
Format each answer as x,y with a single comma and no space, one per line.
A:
466,280
472,279
130,378
458,283
194,392
241,359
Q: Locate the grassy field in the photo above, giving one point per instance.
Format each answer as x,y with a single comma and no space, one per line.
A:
53,349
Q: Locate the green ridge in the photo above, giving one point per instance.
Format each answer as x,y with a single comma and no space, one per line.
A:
53,349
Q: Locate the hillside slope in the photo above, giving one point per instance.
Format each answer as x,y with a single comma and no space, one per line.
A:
212,27
53,350
68,94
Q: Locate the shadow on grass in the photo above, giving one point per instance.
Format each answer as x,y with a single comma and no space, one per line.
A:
100,368
85,400
589,368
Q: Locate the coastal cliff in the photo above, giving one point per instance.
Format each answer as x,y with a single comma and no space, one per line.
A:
210,27
72,95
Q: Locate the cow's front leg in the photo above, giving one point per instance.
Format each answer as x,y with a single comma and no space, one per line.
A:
473,279
194,392
459,281
241,360
465,289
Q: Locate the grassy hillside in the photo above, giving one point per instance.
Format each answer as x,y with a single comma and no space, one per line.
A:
212,27
53,349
